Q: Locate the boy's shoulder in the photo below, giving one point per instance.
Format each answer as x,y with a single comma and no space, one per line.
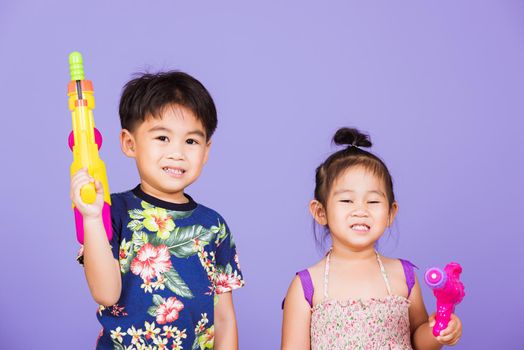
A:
208,216
123,201
120,200
121,195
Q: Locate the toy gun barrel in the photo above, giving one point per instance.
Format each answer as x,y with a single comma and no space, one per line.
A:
85,141
449,291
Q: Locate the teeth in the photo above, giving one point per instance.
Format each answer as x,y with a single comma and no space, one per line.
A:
360,227
174,171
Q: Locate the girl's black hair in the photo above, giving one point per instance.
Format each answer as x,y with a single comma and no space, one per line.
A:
350,156
148,94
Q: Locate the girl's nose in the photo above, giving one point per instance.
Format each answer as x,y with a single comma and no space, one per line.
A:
359,212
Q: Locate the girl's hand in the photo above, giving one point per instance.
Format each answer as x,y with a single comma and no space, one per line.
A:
452,333
93,210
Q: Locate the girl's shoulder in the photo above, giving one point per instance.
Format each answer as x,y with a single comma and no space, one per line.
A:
393,264
400,273
311,280
317,271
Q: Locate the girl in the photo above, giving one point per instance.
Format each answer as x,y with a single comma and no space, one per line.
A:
354,298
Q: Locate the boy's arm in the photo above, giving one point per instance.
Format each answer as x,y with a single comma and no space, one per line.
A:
421,329
101,268
226,334
297,319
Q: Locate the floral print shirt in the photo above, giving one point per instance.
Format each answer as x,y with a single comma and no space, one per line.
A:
174,260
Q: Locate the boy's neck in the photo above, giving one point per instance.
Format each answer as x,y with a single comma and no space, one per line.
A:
176,197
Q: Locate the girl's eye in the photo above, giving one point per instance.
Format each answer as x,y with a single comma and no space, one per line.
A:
373,202
191,142
163,138
346,201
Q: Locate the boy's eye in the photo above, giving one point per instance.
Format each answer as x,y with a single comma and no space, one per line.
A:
163,138
346,201
191,142
373,202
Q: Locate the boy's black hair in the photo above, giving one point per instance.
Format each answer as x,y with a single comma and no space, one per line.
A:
148,94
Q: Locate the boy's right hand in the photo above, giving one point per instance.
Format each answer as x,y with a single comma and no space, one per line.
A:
94,210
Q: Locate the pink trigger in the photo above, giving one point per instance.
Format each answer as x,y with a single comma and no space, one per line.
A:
98,139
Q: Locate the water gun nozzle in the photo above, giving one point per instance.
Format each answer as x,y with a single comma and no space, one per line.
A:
76,66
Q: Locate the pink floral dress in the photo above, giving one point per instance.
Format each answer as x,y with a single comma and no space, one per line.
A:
377,323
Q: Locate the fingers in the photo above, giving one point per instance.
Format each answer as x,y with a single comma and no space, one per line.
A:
452,333
431,320
78,181
99,187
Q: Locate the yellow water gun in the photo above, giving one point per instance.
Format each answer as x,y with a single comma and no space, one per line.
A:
85,141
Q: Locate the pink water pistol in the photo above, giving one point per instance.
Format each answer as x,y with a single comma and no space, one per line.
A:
448,290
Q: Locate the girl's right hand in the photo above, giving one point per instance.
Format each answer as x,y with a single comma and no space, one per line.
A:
93,210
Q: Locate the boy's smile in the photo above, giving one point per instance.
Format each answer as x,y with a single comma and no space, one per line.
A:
170,152
174,172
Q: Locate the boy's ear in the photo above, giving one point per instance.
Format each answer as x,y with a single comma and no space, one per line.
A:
318,212
127,143
206,154
392,213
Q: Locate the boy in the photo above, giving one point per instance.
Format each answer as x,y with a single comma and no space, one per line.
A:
164,280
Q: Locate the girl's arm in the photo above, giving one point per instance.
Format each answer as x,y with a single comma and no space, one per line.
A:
297,319
101,268
421,330
226,335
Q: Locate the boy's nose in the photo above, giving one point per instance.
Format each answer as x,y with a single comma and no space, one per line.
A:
175,154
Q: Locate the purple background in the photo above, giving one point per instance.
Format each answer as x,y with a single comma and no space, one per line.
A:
437,84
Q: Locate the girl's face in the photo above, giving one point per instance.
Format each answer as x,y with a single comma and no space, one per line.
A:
357,211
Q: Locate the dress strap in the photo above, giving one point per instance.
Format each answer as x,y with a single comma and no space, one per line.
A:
409,273
307,285
384,274
326,275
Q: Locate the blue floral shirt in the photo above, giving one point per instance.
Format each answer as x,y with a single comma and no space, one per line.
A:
174,260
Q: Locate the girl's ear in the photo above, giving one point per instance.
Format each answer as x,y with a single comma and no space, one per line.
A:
127,143
392,213
318,212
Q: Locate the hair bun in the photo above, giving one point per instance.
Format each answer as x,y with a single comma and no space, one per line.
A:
351,137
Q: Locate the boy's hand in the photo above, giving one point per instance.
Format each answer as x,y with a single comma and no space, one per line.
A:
93,210
452,333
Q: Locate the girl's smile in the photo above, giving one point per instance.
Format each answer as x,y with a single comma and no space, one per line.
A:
357,210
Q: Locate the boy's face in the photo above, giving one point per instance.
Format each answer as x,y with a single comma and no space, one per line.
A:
169,151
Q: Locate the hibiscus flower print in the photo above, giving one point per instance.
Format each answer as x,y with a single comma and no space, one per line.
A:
169,311
157,220
226,282
151,261
206,339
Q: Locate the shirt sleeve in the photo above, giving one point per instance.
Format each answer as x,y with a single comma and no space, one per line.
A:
116,225
228,275
117,208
